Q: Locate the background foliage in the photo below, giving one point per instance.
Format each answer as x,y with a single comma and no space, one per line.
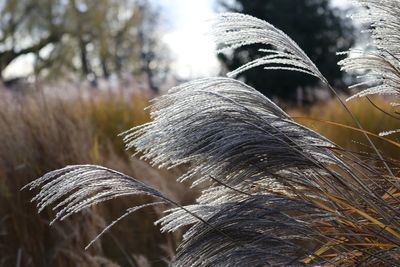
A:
90,38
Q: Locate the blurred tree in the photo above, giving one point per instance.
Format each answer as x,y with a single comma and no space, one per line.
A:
91,38
25,28
318,28
154,57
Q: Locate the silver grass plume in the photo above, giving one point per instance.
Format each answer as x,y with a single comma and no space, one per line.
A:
276,193
221,126
233,30
258,232
86,185
380,63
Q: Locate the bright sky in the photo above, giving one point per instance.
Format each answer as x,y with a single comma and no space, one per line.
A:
187,36
189,39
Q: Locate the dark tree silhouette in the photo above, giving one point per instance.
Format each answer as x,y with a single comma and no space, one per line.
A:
318,28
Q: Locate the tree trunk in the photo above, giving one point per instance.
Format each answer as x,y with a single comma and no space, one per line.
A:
84,59
104,67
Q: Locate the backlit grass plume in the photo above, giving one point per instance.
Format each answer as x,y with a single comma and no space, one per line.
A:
380,62
275,192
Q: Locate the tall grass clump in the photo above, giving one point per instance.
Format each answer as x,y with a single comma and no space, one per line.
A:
41,133
274,192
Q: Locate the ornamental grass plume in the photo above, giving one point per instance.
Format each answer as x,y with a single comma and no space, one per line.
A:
275,192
